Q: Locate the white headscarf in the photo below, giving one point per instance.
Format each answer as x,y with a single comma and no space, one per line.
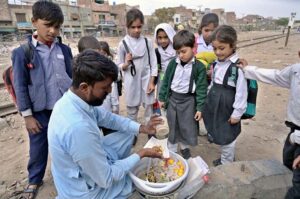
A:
168,53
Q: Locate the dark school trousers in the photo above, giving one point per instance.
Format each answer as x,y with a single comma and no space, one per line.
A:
290,152
38,149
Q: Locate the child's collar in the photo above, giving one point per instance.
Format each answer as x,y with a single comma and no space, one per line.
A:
35,41
191,61
232,58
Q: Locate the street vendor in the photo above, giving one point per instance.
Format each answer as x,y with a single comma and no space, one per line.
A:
86,164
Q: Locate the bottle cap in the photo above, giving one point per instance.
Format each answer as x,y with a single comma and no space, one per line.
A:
205,178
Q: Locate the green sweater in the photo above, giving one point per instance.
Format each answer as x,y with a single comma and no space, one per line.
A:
199,77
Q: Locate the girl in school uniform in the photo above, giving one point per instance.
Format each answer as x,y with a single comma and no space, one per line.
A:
165,52
203,49
137,60
227,98
208,24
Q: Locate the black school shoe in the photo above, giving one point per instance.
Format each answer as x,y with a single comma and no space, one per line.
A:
217,162
186,154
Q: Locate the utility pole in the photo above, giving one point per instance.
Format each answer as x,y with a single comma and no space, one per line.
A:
290,25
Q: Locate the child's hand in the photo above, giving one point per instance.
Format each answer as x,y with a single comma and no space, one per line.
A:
128,58
161,104
151,87
242,63
233,121
198,116
32,125
296,162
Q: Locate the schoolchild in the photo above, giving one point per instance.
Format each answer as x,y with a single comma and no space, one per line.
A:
39,81
183,92
289,78
227,98
209,23
165,52
137,60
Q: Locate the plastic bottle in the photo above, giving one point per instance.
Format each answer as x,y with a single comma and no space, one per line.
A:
162,130
192,188
156,108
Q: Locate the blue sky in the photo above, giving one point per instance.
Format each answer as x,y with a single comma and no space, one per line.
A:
266,8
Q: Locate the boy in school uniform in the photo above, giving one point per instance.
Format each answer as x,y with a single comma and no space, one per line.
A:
183,92
289,77
40,83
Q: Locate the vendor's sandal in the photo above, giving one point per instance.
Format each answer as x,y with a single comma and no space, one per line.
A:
30,192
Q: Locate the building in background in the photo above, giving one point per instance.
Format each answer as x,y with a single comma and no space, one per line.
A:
230,18
103,19
221,14
120,11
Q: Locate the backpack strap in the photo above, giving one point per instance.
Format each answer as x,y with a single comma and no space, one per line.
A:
231,73
194,76
212,66
148,52
158,57
132,68
28,52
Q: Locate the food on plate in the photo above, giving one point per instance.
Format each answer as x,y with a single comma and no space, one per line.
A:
158,149
161,171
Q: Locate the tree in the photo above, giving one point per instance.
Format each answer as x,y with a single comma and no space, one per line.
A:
282,21
165,14
152,23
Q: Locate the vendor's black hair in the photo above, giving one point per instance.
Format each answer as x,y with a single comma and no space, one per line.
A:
91,67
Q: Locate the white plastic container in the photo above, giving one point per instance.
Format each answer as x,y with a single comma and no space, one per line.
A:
157,188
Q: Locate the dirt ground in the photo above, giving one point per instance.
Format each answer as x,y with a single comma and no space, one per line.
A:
261,137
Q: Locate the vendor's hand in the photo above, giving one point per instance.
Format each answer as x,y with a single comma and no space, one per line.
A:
296,162
32,125
233,121
295,137
150,152
151,87
242,63
150,127
198,116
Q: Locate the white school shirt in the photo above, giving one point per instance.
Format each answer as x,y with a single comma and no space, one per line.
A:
111,102
202,47
240,101
182,76
289,77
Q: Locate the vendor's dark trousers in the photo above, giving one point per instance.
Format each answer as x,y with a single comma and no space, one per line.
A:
290,152
38,150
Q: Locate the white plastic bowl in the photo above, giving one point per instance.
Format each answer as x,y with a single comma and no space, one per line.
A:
157,188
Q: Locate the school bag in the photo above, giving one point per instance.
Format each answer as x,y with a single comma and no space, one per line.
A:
156,77
7,75
252,88
158,58
120,85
